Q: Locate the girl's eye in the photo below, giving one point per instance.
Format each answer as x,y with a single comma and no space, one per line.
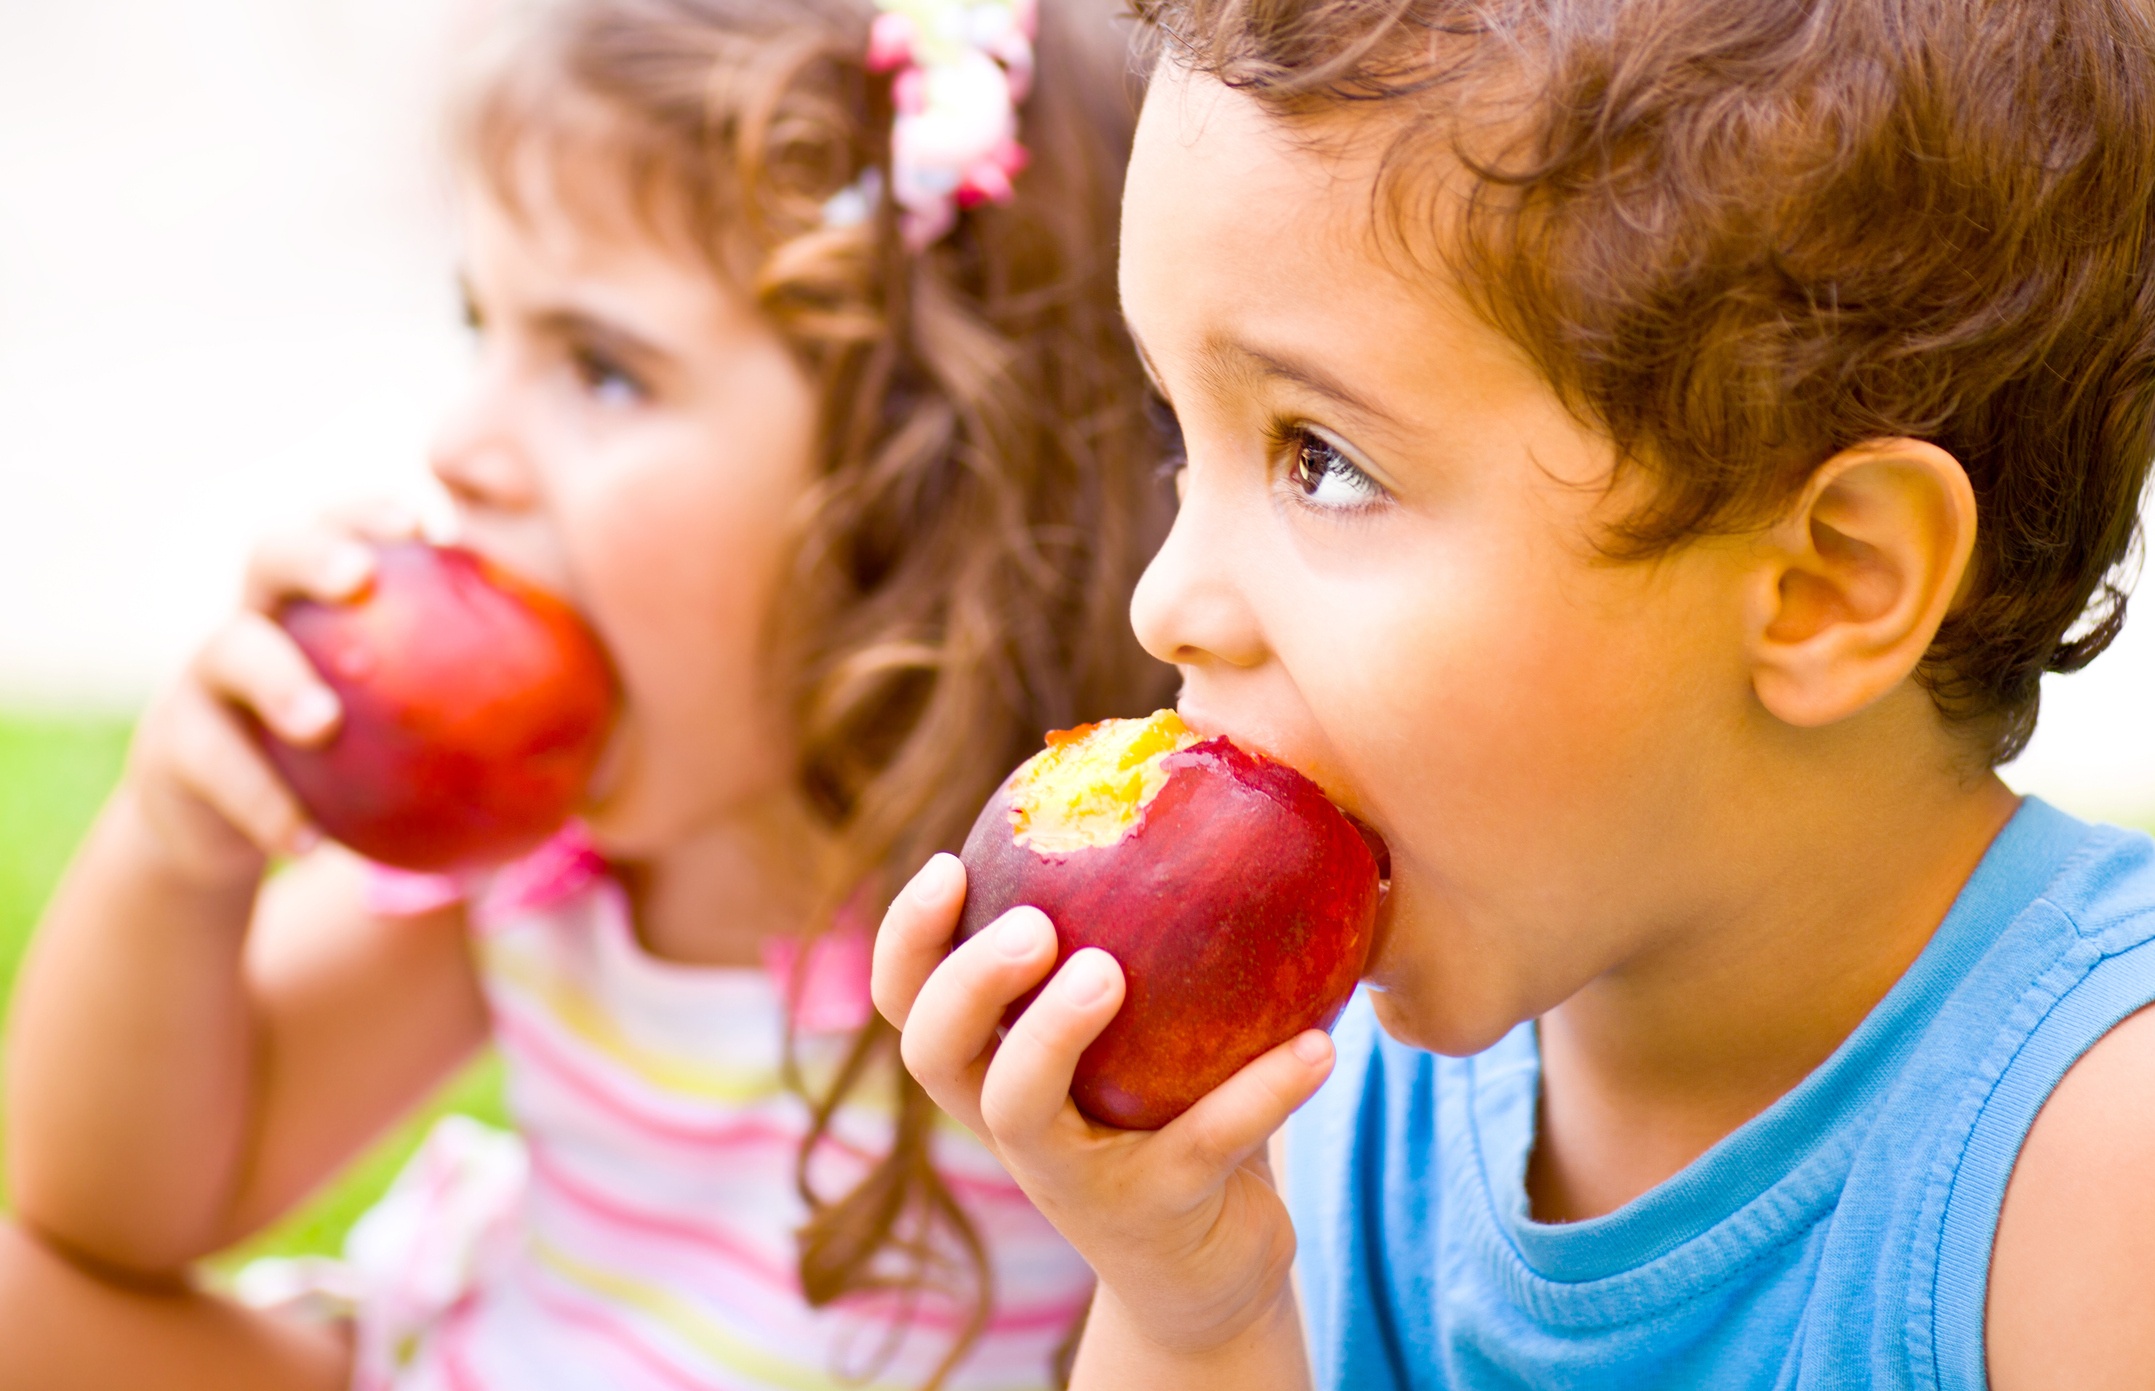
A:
1321,471
467,305
607,380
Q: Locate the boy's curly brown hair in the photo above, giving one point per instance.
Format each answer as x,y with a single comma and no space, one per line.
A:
1741,237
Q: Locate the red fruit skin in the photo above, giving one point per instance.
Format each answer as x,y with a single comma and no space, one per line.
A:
476,706
1241,909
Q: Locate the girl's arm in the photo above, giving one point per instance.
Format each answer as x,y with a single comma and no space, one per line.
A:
1182,1225
191,1051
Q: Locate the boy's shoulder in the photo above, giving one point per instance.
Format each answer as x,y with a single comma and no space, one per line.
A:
2071,1293
2106,885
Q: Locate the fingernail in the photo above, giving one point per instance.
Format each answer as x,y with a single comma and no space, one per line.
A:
1019,935
1086,980
939,878
1312,1046
310,712
346,569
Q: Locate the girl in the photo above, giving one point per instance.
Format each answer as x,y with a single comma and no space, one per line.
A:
831,431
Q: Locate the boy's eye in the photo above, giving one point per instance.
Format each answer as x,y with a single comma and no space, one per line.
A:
606,379
1167,430
1321,471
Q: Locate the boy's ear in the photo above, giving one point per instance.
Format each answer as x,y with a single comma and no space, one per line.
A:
1855,578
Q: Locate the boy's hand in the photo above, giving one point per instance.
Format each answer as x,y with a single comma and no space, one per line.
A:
211,804
1191,1243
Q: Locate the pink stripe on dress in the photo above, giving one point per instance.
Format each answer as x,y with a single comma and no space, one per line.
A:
609,1330
744,1257
725,1245
600,1087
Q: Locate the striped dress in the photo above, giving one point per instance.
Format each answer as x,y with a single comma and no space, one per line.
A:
638,1231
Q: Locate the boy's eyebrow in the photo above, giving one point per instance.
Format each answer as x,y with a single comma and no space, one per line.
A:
1238,358
1231,357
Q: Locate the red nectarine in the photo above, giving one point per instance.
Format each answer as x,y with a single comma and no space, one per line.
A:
475,709
1238,900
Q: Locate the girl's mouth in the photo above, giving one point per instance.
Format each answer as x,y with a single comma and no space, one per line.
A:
614,762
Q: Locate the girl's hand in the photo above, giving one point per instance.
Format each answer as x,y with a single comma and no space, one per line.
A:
1191,1243
211,804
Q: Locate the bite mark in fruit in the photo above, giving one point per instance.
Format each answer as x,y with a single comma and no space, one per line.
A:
1091,784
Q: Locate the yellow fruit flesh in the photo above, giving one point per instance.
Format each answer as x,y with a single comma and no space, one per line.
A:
1089,786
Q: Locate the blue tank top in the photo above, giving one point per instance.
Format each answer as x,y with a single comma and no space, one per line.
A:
1840,1238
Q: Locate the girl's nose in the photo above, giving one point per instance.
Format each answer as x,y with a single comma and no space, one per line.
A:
477,456
1190,607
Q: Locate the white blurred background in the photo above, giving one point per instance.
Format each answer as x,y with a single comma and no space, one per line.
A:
226,301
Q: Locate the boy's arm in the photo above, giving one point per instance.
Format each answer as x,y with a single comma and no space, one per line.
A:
1182,1225
1269,1356
1115,1356
2072,1279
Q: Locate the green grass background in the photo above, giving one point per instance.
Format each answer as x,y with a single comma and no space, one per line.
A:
54,772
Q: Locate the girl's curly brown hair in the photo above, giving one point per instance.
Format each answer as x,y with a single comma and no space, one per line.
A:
989,478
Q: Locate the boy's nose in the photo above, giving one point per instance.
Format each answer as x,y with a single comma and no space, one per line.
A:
1190,607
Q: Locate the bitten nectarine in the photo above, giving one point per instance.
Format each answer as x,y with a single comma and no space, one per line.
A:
1237,899
475,709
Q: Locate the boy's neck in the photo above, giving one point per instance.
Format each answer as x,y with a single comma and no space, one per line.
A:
1655,1061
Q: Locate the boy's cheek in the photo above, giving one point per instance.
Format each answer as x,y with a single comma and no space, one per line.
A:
1512,700
1518,778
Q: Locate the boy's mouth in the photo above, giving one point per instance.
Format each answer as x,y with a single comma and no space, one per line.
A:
1380,936
1207,726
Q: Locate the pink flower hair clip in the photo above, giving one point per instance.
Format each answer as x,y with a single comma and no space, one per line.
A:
962,67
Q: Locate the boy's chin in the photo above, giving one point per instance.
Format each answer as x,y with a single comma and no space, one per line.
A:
1436,1026
1421,997
1436,1006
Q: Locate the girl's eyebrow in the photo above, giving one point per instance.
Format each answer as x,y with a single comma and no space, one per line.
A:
582,326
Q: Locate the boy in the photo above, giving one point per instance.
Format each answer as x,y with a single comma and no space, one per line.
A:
1642,455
